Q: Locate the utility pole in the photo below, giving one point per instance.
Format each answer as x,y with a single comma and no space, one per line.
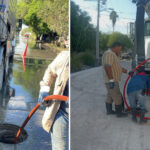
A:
97,33
139,25
140,31
97,29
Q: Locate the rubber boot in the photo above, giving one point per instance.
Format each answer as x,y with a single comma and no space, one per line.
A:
109,109
119,112
133,112
142,115
123,109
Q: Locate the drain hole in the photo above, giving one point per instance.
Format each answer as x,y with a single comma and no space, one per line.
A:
8,133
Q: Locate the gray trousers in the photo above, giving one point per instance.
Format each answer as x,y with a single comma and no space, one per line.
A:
114,95
136,98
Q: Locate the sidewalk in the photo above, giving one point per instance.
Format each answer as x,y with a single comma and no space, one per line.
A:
91,128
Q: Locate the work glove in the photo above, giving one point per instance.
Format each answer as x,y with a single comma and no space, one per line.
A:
131,73
42,95
111,84
46,103
44,91
41,99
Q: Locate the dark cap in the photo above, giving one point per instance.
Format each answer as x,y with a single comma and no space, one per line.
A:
116,44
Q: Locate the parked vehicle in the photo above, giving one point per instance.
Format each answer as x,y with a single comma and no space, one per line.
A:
127,56
140,33
7,35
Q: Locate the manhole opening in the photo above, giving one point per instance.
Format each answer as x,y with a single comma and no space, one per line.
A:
8,134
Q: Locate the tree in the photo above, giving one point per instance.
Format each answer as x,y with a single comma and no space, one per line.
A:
113,16
45,16
22,9
122,38
104,38
82,39
55,15
82,32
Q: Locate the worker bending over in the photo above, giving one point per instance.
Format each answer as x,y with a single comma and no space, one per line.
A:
137,87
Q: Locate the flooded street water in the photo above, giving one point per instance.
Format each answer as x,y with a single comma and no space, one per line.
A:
24,80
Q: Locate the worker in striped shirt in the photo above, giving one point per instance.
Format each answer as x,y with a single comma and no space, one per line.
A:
112,72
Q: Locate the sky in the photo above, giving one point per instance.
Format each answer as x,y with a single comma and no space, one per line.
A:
125,9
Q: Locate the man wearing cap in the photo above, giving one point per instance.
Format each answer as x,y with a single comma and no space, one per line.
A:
112,72
137,87
56,116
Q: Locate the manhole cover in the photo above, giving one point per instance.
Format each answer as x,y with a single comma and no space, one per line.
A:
8,133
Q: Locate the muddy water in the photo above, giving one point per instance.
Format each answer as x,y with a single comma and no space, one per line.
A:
24,80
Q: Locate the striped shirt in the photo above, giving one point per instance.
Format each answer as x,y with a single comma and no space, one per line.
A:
110,58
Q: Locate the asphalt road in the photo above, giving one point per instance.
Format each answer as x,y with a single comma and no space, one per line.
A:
91,128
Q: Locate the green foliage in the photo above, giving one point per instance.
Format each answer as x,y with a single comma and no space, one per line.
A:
78,60
44,16
55,15
22,9
37,25
119,37
82,32
76,63
104,38
87,59
32,44
83,39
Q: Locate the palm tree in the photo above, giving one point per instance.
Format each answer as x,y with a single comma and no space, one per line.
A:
113,16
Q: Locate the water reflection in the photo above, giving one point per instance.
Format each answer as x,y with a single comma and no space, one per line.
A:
19,96
15,108
30,77
23,83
